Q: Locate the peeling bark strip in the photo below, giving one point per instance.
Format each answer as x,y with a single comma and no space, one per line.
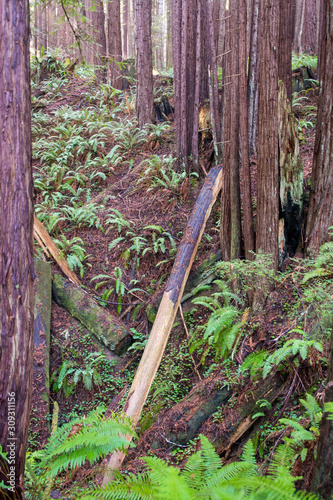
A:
106,328
16,226
166,314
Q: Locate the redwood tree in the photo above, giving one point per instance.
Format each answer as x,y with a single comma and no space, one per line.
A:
268,148
320,214
114,43
16,240
100,41
144,63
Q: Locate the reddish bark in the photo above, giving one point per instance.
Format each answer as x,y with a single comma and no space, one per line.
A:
114,43
144,63
320,214
16,230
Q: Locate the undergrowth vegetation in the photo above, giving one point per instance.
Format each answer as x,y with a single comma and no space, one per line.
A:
84,146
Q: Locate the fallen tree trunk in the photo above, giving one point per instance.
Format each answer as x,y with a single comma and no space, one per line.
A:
167,311
191,416
106,328
48,246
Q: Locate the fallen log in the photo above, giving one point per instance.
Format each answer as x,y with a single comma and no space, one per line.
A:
167,311
48,246
107,329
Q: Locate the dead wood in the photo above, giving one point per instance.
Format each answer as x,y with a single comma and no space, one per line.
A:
107,329
156,344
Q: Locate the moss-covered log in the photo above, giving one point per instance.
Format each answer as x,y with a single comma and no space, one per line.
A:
106,328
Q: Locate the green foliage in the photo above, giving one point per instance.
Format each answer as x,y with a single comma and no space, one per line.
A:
222,328
304,60
291,348
73,251
204,477
69,446
323,264
69,375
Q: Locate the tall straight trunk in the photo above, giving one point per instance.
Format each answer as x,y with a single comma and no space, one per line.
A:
320,214
248,228
268,147
195,135
98,18
214,101
230,235
169,60
253,77
16,242
144,63
114,43
285,45
126,8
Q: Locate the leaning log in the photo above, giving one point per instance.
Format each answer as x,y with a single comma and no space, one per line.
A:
49,247
167,311
106,328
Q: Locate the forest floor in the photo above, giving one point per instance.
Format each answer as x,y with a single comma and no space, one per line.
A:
89,155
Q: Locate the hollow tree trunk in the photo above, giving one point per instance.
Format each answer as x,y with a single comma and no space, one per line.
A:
16,241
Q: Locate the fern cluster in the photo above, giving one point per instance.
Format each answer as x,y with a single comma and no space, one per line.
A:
90,438
205,478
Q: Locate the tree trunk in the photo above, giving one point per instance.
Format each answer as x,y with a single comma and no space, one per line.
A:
144,63
230,235
248,228
320,214
16,241
167,311
285,45
106,328
323,471
125,28
268,147
253,77
114,43
291,175
98,18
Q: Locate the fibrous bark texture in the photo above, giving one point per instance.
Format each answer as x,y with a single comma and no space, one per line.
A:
114,43
320,215
144,63
16,226
268,148
100,40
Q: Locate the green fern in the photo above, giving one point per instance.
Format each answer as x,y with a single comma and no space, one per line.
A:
84,439
204,477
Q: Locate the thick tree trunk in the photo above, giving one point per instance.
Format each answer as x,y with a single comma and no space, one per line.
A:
320,214
268,147
285,45
126,9
230,235
248,228
106,328
99,53
253,77
16,241
114,43
159,335
144,63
